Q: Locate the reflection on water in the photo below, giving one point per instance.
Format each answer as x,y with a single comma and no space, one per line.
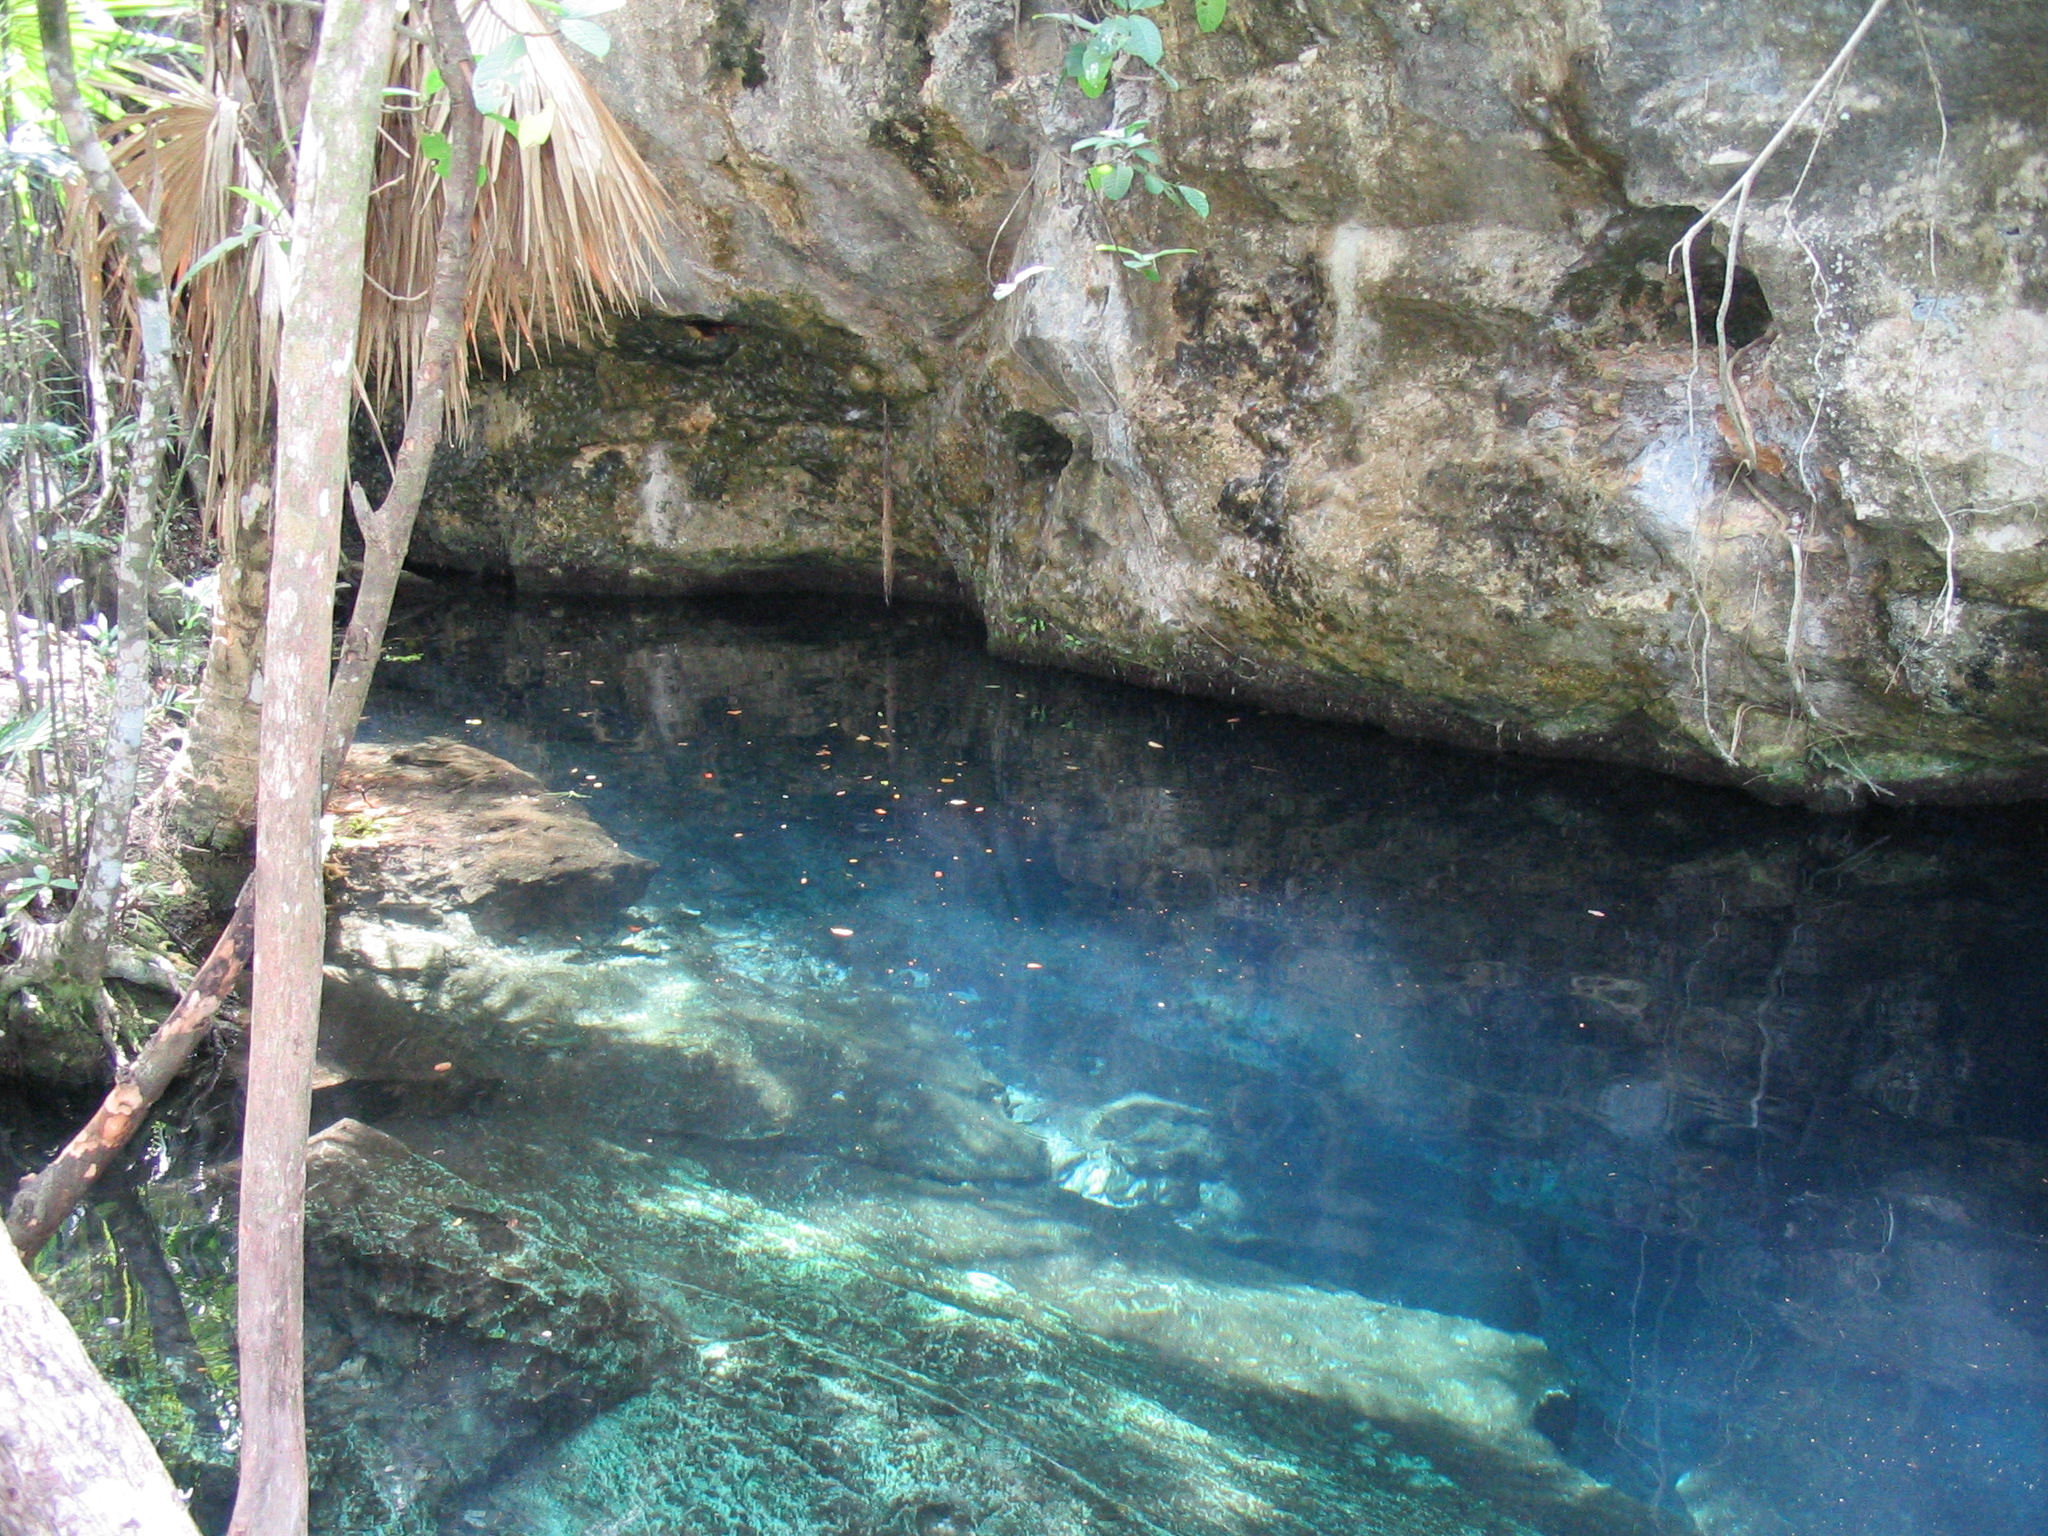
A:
1080,1013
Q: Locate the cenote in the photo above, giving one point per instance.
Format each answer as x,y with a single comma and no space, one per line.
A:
1021,1103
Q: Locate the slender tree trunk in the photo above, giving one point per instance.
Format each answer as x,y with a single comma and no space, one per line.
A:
316,361
47,1198
387,531
73,1461
78,946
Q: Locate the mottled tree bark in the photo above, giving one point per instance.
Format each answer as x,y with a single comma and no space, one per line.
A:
316,360
73,1461
387,528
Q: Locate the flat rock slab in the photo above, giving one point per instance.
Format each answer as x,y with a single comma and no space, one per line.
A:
440,826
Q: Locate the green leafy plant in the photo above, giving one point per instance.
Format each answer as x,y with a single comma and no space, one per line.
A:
1127,157
1123,156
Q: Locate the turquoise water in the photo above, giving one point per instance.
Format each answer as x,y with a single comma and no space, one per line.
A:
1022,1104
1738,1110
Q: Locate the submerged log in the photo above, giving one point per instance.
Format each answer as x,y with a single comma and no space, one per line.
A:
73,1459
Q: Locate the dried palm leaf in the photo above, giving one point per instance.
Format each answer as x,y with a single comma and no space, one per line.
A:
571,223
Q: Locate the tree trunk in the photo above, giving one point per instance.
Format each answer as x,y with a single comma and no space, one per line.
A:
73,1461
216,803
47,1198
387,531
315,367
77,948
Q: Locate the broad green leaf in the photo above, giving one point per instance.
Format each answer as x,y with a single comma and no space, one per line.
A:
1209,14
1142,39
25,733
495,73
436,148
1096,61
1098,174
587,35
1197,201
1117,182
1154,184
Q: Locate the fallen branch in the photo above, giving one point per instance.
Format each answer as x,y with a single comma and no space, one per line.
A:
47,1198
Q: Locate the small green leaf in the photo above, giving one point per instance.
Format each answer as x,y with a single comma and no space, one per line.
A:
1117,182
220,248
1209,14
436,148
263,200
1197,201
1142,39
1153,184
1149,156
1098,174
587,35
533,131
1075,55
434,84
1165,79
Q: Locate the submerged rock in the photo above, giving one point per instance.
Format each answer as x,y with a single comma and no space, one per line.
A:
847,1376
445,1330
439,826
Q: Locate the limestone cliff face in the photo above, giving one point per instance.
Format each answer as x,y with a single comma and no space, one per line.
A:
1420,437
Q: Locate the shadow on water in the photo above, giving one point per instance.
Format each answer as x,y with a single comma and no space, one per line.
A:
1738,1110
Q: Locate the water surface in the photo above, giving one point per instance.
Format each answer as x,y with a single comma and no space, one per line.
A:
1739,1110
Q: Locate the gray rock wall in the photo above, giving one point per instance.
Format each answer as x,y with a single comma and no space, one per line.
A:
1420,437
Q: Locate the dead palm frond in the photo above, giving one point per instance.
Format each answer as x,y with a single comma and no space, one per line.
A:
225,253
569,224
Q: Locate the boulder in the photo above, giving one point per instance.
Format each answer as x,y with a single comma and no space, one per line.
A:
446,1329
439,826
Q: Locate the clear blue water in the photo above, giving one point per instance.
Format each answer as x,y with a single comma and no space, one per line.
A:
1739,1110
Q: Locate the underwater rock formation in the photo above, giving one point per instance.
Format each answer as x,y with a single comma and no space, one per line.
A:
1420,437
448,976
444,1329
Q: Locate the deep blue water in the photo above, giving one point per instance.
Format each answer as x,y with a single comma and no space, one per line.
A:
1740,1110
